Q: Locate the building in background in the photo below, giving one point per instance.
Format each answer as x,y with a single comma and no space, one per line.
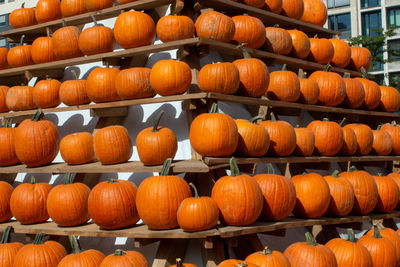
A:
360,17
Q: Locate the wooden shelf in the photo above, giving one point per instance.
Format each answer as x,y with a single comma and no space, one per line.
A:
314,159
267,17
142,231
191,166
34,31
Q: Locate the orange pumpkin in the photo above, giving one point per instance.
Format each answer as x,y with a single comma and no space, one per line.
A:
255,3
66,42
111,204
309,90
390,99
355,93
388,194
267,258
133,29
20,98
197,213
389,234
321,50
314,12
365,190
275,6
215,25
134,83
279,195
312,194
3,96
305,142
96,40
93,5
328,137
48,10
282,137
174,28
112,145
22,17
100,85
73,92
67,203
36,141
125,258
342,52
42,49
349,142
253,138
382,144
206,134
239,197
46,93
394,130
396,177
5,212
159,197
8,156
33,211
284,86
72,7
292,8
8,250
372,93
342,195
3,58
220,78
156,144
170,77
364,136
301,44
77,148
360,57
278,40
179,263
87,258
20,55
249,31
235,263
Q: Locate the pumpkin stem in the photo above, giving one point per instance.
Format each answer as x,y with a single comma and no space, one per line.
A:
328,67
39,239
23,5
353,169
284,67
342,121
196,193
379,127
119,252
350,235
335,173
214,108
74,74
310,239
6,235
380,226
266,251
33,180
111,181
242,264
21,41
234,167
76,248
69,178
346,75
245,53
8,123
270,169
377,234
155,128
166,167
364,73
301,74
48,32
380,174
325,119
273,118
179,262
64,24
394,123
38,115
255,119
94,20
316,36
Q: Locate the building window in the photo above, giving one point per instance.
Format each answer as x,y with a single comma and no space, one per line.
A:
395,46
393,16
342,23
3,42
370,3
371,22
4,22
338,3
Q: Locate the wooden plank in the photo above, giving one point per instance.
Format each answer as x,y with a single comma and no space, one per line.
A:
40,29
212,256
291,222
168,251
314,159
267,17
193,166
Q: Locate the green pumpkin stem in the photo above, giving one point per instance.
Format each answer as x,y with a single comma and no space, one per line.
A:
33,180
234,167
94,20
166,167
273,118
328,67
380,174
39,239
119,252
196,193
112,181
8,123
179,262
255,119
64,24
21,41
69,178
38,115
155,127
310,240
214,108
242,264
6,235
379,127
23,5
346,75
394,123
350,235
76,248
245,53
301,74
335,173
342,121
352,169
270,169
284,67
266,251
377,234
325,119
48,32
364,73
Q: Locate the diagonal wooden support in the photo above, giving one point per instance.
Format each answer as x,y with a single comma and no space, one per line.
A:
169,250
212,255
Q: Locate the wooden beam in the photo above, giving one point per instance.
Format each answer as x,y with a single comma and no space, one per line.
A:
169,251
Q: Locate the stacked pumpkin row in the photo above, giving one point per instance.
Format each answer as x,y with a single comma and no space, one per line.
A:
52,254
218,135
379,247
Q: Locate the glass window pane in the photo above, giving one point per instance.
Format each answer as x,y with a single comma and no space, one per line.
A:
3,42
394,45
338,3
394,16
371,21
370,3
331,22
343,22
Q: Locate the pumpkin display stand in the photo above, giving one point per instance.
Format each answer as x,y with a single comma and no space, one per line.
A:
201,171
